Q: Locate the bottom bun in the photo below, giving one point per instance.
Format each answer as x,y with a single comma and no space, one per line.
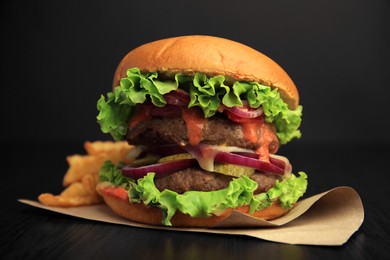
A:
117,199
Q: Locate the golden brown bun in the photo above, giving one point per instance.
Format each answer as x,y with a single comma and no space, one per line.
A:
116,198
213,56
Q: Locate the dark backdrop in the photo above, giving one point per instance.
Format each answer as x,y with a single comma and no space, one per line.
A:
58,57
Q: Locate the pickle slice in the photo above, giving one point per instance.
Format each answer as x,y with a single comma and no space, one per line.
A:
149,159
222,168
233,170
179,156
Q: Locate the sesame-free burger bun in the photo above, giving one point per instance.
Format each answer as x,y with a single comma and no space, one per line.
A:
117,199
212,56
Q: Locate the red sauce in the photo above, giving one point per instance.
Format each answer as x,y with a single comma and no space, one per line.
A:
262,149
194,121
141,114
251,130
262,135
117,192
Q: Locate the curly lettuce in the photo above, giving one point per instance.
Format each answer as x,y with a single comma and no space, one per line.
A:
206,92
204,204
111,173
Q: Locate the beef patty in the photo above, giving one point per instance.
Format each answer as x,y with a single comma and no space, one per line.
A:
200,180
164,130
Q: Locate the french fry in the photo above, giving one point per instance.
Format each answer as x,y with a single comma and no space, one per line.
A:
98,152
109,147
89,183
80,165
81,177
77,194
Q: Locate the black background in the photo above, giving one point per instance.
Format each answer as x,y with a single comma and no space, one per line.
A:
58,57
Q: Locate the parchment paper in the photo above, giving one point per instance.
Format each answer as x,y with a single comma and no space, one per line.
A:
329,218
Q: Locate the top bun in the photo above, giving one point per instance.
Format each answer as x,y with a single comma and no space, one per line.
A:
212,56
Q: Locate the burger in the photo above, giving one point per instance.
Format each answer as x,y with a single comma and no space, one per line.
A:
207,116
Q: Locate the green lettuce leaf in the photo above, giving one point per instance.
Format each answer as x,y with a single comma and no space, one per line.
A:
205,92
114,114
109,172
287,191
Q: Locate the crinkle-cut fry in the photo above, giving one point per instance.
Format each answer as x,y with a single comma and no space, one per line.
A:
89,183
77,194
80,165
98,152
81,177
99,147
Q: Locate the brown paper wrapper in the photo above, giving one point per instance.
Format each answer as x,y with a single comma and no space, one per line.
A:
329,218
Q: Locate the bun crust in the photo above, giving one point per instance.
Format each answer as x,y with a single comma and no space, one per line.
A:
212,56
116,198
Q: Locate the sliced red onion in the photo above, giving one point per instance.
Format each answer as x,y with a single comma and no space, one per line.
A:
243,111
160,169
166,111
178,97
277,163
277,160
207,154
183,95
282,161
175,101
237,159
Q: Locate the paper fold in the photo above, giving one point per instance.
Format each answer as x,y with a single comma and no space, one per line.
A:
329,218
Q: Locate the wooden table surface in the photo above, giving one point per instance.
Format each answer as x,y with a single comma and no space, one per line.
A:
28,233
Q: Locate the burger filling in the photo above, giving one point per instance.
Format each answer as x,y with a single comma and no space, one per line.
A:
212,95
206,144
239,192
214,131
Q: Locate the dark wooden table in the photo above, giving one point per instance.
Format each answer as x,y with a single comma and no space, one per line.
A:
31,233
